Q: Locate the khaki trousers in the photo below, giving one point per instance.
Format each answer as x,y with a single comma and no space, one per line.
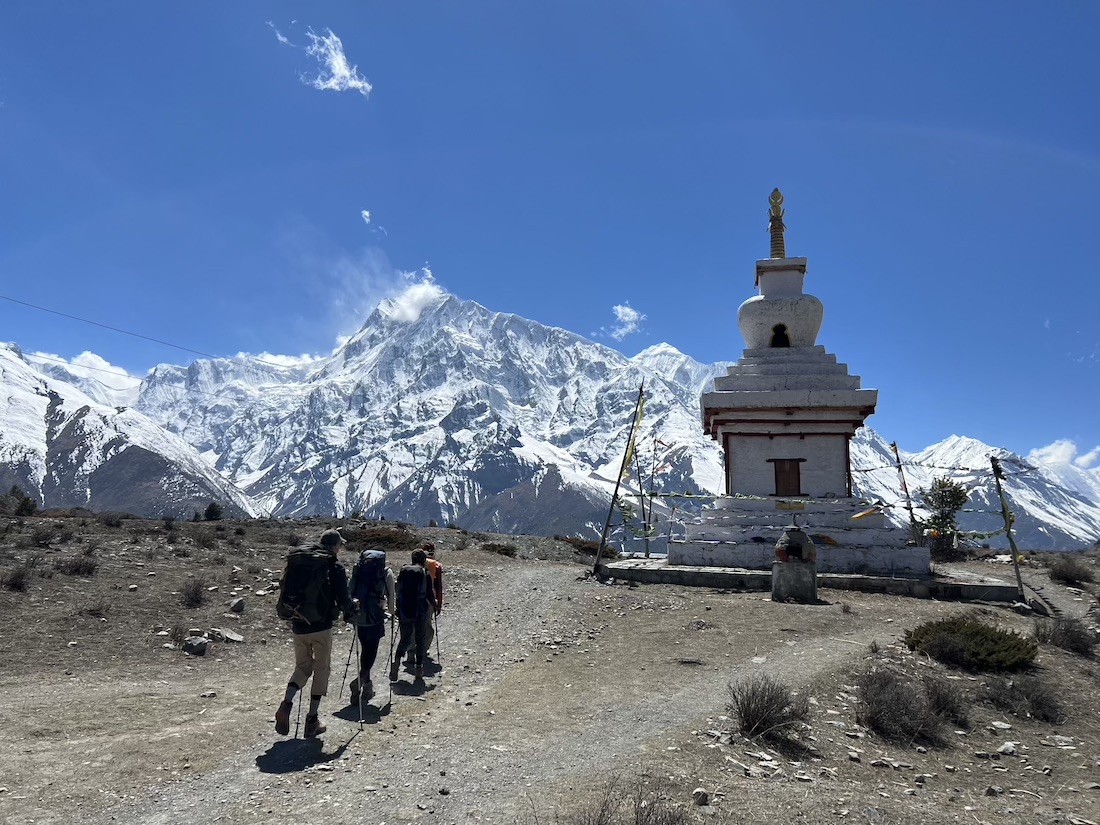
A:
313,656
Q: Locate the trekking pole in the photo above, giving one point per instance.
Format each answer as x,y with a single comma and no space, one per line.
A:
438,655
354,640
389,662
298,721
362,688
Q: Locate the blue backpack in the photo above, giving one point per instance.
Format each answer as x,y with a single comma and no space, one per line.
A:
370,586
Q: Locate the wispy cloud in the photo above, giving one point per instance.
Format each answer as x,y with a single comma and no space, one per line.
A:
337,75
365,215
292,361
628,321
421,291
279,35
89,365
1063,453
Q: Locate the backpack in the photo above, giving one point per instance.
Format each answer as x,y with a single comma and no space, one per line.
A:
304,591
412,592
370,585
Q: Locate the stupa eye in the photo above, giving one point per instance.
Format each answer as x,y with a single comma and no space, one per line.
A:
779,336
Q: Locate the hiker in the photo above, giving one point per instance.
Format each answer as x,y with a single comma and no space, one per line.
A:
415,606
312,593
435,574
372,585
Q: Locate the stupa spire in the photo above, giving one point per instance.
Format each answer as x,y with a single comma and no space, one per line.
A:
775,224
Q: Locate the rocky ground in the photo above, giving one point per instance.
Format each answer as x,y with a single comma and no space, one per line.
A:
548,686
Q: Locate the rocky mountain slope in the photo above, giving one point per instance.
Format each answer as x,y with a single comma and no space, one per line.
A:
453,413
67,450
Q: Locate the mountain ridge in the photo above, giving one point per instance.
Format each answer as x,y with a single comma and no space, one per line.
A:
451,412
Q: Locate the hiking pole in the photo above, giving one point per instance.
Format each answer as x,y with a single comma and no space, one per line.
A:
354,640
298,721
438,655
389,662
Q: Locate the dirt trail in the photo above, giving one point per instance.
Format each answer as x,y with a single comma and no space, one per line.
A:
549,682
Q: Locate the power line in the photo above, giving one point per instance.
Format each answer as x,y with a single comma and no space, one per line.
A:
135,334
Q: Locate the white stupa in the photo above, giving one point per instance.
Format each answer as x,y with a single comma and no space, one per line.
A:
784,415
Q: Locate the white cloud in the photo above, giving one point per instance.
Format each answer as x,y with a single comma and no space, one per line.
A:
1088,459
1063,453
421,291
337,75
365,215
90,365
279,35
303,360
628,319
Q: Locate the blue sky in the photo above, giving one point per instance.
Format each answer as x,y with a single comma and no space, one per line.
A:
172,169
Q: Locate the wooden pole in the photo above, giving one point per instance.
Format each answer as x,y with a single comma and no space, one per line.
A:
618,481
1006,514
908,501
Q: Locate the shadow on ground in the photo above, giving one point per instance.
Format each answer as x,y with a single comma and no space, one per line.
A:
292,755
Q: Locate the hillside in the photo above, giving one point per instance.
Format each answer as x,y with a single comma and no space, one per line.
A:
551,686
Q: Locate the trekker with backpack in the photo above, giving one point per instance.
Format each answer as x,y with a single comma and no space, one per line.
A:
312,592
435,575
372,585
415,607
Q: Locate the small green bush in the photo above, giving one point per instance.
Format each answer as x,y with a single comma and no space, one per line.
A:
213,511
205,540
969,643
1068,634
110,519
508,550
765,707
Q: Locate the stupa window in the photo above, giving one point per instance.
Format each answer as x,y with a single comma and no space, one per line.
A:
779,336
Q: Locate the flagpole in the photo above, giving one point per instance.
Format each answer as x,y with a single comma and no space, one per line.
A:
618,481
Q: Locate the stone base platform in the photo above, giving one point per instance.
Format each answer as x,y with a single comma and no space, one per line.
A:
943,585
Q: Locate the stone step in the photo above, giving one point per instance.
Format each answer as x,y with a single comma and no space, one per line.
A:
766,383
822,537
876,561
778,519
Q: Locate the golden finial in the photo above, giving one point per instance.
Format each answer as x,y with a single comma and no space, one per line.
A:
775,224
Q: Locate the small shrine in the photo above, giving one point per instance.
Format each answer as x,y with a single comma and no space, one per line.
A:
784,415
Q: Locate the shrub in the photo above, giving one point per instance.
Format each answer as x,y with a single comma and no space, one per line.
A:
213,511
97,609
947,701
765,707
169,523
17,577
82,565
508,550
389,539
1071,570
42,536
644,804
177,633
896,708
1025,696
206,541
1068,634
969,643
238,531
293,540
181,552
193,593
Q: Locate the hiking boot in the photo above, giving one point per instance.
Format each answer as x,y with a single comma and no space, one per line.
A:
314,727
409,661
395,669
368,690
282,718
354,689
420,673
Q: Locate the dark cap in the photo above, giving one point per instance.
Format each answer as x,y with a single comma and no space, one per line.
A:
332,538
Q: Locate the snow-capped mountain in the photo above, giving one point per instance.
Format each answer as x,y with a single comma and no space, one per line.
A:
458,414
1049,513
64,448
451,412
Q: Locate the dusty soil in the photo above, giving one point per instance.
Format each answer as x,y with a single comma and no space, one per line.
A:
551,685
